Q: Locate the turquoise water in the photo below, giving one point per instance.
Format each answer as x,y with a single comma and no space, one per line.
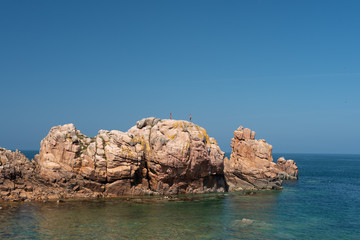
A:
323,204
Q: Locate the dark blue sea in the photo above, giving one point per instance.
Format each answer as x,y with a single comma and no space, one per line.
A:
323,204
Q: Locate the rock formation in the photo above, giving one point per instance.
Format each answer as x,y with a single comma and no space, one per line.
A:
15,172
287,169
153,157
251,164
20,180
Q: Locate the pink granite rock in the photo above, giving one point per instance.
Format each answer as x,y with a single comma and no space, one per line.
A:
154,157
288,169
251,164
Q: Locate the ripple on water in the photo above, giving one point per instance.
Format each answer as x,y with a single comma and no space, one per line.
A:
323,204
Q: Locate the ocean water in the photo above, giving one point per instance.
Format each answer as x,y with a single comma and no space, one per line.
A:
323,204
29,154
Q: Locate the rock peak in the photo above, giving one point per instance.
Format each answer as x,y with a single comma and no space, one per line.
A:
244,134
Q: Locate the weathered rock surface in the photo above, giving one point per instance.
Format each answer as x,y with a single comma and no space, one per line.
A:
15,172
20,181
153,157
287,169
251,164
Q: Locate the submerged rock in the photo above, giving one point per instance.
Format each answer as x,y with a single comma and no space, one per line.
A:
243,223
247,221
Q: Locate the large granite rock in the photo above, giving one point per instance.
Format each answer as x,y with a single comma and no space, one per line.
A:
251,164
154,157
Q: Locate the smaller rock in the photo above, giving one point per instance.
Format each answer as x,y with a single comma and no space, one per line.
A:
140,124
240,128
252,136
288,169
151,121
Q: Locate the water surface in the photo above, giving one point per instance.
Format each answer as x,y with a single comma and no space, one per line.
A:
323,204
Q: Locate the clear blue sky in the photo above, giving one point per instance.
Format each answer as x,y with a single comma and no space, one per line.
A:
287,69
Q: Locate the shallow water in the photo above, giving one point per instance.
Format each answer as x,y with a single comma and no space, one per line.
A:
323,204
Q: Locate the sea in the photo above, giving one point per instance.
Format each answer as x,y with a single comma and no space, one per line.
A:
323,204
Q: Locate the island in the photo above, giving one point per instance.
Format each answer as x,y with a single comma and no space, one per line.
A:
155,157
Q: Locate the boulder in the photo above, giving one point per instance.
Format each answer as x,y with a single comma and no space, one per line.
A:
287,169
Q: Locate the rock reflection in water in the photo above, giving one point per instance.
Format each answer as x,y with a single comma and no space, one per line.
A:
188,217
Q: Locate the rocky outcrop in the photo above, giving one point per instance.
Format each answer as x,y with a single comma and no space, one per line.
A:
153,157
15,172
251,164
20,181
287,169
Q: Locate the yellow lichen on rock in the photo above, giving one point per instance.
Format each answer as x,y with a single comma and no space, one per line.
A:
172,137
187,146
147,147
204,134
144,144
213,141
177,124
127,152
182,124
136,139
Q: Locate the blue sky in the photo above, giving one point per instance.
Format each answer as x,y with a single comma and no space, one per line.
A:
287,69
